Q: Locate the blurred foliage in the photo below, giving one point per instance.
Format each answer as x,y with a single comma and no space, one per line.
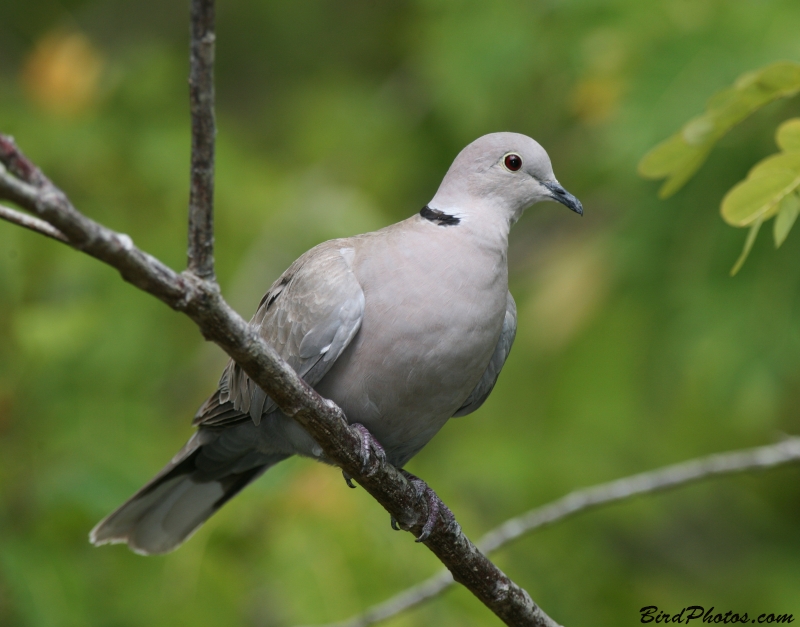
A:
680,156
634,347
771,187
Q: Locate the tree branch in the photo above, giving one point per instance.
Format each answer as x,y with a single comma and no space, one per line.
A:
29,222
21,167
201,99
659,480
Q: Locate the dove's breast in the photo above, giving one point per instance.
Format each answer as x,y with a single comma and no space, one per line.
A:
434,309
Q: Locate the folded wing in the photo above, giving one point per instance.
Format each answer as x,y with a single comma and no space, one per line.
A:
309,316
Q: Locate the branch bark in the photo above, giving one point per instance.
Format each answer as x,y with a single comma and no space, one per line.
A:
659,480
201,100
29,222
196,294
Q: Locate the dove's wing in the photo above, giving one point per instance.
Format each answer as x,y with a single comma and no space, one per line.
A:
309,316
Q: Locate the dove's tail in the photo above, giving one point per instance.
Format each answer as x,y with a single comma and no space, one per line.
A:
180,498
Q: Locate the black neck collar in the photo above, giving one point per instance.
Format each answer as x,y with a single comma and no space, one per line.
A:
439,217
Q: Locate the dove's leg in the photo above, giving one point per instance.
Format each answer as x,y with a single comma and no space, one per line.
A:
435,506
367,441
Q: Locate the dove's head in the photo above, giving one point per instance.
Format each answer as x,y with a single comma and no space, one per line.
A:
500,173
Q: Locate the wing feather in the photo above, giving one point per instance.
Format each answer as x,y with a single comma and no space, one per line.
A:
309,316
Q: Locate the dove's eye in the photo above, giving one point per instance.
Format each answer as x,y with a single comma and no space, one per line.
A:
512,161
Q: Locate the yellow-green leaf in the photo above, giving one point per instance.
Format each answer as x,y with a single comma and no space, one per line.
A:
747,79
748,245
678,177
788,135
680,156
667,156
787,214
757,198
699,130
722,99
780,161
783,76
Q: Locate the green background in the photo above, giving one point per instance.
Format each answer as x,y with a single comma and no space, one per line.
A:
635,348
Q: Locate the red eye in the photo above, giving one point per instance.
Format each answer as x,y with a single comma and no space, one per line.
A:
513,162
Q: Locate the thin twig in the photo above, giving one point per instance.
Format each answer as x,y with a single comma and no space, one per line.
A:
201,300
659,480
201,99
29,222
666,478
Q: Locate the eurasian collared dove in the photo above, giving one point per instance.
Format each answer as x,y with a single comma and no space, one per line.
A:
403,328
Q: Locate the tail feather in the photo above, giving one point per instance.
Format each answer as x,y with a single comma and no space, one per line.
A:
180,510
175,503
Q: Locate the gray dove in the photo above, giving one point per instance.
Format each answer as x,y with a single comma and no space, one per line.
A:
403,328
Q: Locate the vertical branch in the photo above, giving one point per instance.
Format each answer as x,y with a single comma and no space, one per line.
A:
201,97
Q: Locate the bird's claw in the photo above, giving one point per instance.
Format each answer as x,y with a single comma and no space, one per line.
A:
435,505
348,480
367,441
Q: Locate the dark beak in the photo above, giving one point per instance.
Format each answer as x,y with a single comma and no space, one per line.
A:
559,194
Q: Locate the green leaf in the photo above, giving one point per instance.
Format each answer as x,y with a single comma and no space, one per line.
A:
699,130
757,198
788,135
725,98
780,161
666,157
674,159
739,104
681,155
787,214
782,77
680,175
748,245
748,78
